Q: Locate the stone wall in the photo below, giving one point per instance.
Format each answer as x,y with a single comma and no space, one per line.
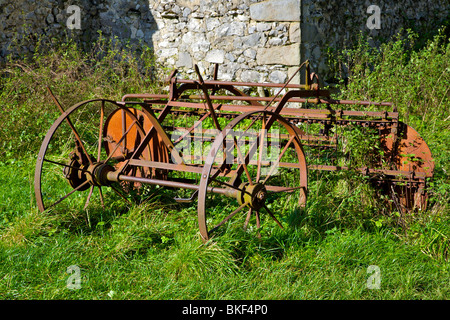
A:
252,40
337,24
22,22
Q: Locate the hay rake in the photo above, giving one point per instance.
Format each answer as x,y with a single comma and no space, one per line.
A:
212,140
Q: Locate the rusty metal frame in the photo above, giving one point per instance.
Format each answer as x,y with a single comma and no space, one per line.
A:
317,107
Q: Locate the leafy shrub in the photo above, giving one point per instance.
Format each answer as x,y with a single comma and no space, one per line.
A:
106,71
416,78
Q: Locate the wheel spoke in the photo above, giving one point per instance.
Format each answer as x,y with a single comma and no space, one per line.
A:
229,185
273,216
274,166
231,215
120,194
100,134
258,223
72,127
277,189
70,193
65,165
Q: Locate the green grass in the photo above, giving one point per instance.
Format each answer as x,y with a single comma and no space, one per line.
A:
154,251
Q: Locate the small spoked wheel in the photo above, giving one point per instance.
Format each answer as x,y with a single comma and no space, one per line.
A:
259,159
81,148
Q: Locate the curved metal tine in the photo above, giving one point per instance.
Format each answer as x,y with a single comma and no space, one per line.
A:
231,215
208,99
247,173
72,127
258,223
120,140
89,197
271,118
261,138
101,197
67,195
187,200
285,85
119,193
274,166
273,216
100,134
247,220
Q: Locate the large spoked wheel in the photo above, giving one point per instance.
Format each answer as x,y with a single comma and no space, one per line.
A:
81,148
258,157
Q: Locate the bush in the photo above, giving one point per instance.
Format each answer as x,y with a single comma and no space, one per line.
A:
417,80
106,71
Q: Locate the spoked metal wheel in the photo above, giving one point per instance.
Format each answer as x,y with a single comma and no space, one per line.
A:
259,158
81,148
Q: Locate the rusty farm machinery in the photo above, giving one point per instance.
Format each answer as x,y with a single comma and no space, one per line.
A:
242,157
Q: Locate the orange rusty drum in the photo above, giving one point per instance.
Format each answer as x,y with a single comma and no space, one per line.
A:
123,134
409,153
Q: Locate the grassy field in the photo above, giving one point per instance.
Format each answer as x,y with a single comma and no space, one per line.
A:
334,248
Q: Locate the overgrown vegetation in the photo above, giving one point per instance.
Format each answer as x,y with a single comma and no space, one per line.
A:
415,76
153,251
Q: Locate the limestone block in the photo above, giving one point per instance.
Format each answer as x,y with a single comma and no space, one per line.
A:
276,10
277,77
250,76
294,32
165,53
250,53
284,55
228,71
296,79
251,40
236,29
263,26
215,56
184,60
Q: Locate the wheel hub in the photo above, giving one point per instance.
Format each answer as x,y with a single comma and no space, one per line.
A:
98,173
76,175
253,195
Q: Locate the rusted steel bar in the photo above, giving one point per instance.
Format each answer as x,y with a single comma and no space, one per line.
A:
309,120
319,113
251,98
397,173
243,84
229,192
